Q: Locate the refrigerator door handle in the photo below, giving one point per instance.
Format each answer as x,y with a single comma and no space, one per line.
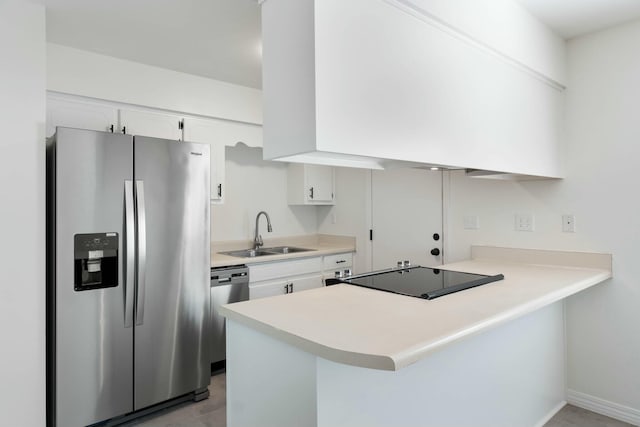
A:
130,248
142,251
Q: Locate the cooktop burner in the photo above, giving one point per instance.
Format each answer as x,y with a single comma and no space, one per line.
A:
421,282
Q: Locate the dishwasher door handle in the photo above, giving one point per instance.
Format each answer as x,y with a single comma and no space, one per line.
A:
226,281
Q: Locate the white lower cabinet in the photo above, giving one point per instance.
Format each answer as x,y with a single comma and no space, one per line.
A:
284,277
286,285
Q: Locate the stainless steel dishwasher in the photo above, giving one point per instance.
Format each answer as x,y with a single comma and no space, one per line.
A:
228,284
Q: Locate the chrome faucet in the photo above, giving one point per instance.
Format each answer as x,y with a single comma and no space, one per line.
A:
257,240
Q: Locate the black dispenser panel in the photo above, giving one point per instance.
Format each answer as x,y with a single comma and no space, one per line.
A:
96,261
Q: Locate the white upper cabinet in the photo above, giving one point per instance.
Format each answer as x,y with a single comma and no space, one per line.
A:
80,114
209,132
310,184
388,80
153,124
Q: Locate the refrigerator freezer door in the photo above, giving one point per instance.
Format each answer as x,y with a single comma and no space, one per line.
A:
171,356
94,349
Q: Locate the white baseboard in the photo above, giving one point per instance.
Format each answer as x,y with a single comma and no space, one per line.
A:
604,407
550,415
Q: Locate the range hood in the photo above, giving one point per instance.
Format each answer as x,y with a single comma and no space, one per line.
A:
369,83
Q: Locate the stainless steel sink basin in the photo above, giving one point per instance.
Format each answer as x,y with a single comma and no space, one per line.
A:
286,250
247,253
276,250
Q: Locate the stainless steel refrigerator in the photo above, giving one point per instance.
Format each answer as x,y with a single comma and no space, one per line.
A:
127,274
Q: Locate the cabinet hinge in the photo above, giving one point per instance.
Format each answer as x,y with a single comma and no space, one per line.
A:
370,234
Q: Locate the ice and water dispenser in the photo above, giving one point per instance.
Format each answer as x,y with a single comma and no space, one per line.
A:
96,261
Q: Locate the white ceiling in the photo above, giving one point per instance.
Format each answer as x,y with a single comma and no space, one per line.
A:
572,18
220,39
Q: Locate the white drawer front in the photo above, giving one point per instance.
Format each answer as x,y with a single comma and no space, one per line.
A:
338,261
286,285
281,269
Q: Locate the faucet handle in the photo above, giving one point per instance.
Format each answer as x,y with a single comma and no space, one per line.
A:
259,241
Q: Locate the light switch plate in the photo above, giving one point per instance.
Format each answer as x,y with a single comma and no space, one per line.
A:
524,222
471,222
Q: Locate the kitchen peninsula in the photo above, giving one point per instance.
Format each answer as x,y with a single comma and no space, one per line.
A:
350,356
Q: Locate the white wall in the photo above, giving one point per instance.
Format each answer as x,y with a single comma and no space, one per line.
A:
603,134
352,213
79,72
255,185
22,192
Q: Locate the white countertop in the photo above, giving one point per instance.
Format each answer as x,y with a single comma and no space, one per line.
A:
320,245
380,330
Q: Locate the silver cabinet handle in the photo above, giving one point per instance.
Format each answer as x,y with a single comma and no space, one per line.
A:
290,288
286,288
341,261
130,252
220,191
142,251
311,193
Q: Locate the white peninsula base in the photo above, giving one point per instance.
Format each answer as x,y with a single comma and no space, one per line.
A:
511,375
348,356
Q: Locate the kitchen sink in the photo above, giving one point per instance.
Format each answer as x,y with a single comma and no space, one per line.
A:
247,253
276,250
286,250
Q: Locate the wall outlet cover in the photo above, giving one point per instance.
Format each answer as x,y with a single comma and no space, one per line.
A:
568,223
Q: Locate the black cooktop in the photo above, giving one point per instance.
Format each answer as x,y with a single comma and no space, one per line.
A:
421,282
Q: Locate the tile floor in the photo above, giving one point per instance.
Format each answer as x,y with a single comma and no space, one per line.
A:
212,413
572,416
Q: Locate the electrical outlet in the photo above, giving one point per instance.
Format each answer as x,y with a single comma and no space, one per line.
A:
524,222
471,222
568,223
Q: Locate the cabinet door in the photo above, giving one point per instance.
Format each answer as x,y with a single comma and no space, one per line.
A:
319,181
306,283
79,114
156,125
269,288
210,132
